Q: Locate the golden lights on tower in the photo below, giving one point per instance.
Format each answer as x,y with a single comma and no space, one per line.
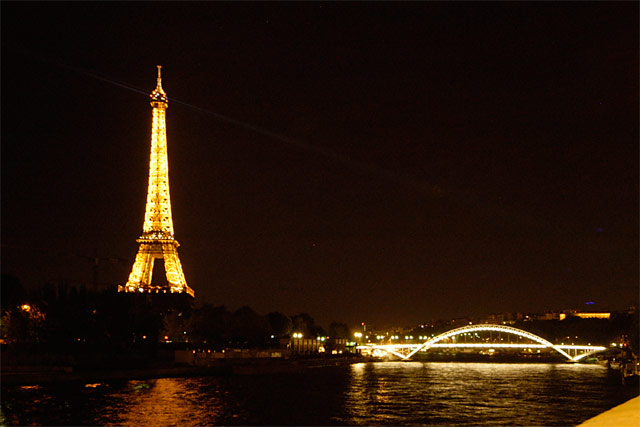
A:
157,240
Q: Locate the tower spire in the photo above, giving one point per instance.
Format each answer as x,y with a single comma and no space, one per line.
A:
159,95
159,82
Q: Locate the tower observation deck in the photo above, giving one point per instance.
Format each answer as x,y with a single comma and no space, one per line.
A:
157,240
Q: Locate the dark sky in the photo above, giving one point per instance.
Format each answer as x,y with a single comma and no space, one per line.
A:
387,163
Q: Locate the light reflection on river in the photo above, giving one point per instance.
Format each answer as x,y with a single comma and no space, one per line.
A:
477,393
390,393
162,402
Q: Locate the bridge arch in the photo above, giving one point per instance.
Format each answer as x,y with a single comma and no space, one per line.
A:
489,327
397,349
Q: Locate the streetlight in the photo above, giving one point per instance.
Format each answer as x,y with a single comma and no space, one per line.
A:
358,336
296,335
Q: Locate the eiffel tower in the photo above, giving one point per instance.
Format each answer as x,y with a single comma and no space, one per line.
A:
157,241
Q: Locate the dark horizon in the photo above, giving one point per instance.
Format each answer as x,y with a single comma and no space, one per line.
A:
379,163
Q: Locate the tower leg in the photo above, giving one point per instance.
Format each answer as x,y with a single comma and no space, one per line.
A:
142,272
173,269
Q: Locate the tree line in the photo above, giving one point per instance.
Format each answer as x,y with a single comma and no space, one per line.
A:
62,320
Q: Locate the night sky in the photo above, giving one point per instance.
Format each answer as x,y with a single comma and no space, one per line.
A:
386,163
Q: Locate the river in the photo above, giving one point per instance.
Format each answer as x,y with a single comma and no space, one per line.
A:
388,393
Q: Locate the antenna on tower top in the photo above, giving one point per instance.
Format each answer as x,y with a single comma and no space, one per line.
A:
158,94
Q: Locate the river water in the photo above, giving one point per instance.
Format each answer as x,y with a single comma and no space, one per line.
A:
387,393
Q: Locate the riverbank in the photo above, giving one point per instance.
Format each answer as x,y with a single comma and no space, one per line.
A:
43,375
626,414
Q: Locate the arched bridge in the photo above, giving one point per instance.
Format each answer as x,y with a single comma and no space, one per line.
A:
405,351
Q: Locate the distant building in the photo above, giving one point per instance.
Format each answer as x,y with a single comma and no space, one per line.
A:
311,345
336,345
550,315
588,315
502,318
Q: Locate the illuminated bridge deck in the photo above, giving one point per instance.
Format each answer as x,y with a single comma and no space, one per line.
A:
573,353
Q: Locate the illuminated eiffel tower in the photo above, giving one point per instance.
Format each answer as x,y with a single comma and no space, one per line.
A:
157,241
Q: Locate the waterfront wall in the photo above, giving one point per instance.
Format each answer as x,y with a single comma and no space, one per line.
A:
208,357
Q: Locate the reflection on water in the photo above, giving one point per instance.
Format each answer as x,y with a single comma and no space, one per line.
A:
163,402
372,393
476,393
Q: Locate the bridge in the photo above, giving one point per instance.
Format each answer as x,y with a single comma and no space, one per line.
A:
468,337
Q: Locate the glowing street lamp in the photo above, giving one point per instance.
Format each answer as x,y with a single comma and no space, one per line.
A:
358,336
